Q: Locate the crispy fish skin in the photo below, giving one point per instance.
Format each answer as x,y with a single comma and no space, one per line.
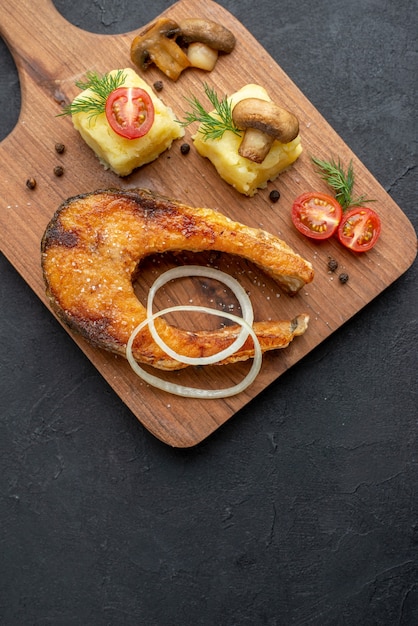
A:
91,250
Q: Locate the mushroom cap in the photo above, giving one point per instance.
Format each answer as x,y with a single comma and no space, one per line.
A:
208,32
163,26
267,117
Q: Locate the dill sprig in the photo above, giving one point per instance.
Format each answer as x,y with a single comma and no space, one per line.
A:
211,127
101,86
332,172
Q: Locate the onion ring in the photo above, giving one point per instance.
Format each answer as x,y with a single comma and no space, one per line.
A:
207,272
195,392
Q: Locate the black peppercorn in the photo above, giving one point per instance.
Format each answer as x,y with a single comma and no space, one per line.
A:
185,148
158,85
58,170
274,195
31,183
59,147
332,265
343,278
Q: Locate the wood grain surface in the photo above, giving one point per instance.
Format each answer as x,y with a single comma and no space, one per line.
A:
51,55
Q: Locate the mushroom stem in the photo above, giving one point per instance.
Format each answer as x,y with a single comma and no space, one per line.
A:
263,122
202,56
255,145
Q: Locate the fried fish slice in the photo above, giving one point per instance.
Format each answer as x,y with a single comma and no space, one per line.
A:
90,254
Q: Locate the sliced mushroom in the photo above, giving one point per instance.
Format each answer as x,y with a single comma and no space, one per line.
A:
157,45
263,122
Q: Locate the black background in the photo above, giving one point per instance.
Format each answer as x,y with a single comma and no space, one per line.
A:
302,509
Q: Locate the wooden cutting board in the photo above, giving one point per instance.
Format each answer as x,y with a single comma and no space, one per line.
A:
51,55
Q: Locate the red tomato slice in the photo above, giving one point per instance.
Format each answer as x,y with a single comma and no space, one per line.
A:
130,112
359,229
316,215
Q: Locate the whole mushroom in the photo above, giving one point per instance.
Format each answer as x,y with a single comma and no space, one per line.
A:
263,122
204,40
208,32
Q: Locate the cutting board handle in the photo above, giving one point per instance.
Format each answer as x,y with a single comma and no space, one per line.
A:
47,49
23,26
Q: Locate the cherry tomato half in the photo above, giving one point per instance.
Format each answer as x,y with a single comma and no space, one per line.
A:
130,112
316,215
359,229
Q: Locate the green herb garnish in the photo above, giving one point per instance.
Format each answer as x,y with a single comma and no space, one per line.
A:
211,127
332,172
101,86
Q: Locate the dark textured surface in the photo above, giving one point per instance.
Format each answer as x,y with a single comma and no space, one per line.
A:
303,509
